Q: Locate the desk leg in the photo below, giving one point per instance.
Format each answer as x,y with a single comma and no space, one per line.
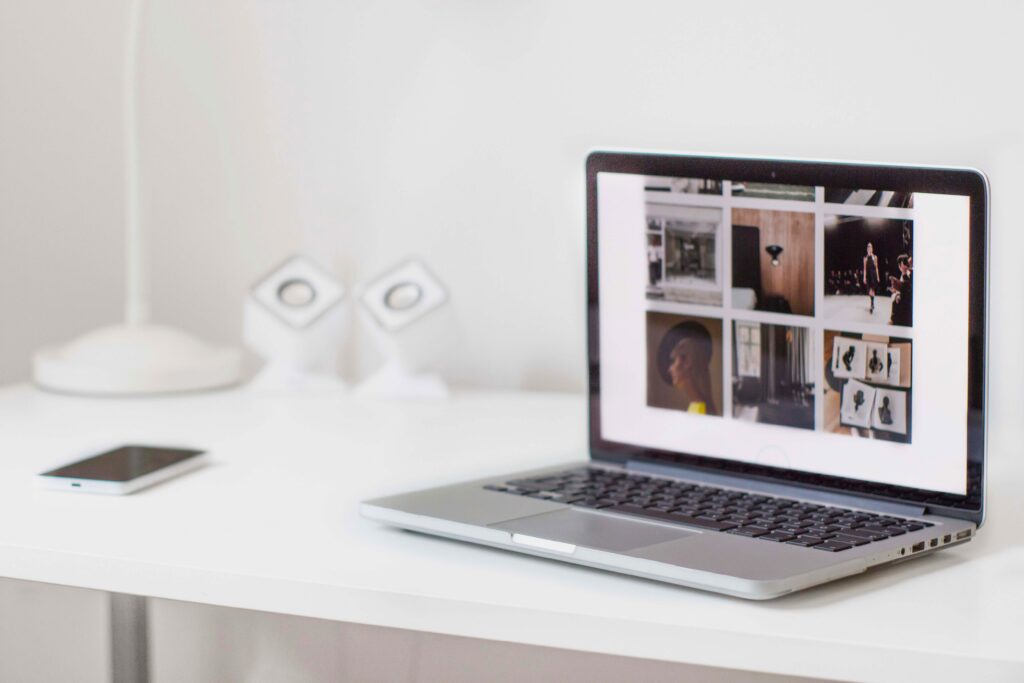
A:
129,631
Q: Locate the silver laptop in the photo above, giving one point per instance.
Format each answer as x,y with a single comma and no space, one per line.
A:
786,375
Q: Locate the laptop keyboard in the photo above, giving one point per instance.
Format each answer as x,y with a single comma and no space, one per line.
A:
768,518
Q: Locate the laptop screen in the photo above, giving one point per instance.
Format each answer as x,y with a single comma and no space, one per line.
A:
807,327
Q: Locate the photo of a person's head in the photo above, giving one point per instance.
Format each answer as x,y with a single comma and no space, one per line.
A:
684,363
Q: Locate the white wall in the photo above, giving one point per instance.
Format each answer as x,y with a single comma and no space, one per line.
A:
456,130
60,173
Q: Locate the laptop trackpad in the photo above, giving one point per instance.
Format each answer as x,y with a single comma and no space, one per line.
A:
590,530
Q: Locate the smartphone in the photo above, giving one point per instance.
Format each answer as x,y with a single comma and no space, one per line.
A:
123,470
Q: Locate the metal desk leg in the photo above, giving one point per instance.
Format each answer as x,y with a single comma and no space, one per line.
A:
129,631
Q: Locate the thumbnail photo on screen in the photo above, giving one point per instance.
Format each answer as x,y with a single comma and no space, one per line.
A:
773,374
773,261
683,254
684,363
868,385
869,264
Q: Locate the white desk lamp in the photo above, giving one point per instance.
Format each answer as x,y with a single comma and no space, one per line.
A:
135,357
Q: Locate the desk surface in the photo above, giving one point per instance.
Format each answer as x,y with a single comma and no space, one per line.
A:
273,525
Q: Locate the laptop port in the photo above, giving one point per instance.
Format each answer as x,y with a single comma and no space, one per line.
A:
934,542
966,533
947,538
917,547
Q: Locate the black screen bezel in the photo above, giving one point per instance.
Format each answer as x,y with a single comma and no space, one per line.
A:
965,182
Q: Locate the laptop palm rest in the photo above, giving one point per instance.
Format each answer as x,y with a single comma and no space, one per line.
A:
580,528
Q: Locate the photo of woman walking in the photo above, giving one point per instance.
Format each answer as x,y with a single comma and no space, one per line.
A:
861,254
871,276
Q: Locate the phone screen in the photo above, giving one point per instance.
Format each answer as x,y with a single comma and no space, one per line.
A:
123,464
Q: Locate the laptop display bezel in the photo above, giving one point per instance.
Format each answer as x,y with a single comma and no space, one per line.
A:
964,182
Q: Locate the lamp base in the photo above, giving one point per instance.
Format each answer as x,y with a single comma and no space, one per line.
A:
124,360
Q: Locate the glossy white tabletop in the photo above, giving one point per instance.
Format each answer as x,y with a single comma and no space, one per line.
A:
273,525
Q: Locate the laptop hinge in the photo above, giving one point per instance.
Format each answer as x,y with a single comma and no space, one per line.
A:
777,489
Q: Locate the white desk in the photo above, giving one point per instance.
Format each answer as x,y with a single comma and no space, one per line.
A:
273,526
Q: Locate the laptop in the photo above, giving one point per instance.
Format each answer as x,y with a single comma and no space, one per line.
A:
786,378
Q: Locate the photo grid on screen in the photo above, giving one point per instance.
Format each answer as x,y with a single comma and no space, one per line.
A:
782,305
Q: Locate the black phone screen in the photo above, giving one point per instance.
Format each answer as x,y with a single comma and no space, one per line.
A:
123,464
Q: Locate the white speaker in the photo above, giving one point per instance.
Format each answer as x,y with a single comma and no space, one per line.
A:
296,319
405,310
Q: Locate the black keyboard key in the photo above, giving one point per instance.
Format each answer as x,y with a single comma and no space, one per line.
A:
711,518
777,536
673,517
832,546
819,531
806,541
863,533
630,508
850,540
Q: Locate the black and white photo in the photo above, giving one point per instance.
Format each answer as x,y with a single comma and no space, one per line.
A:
849,357
890,411
876,362
772,374
858,402
684,254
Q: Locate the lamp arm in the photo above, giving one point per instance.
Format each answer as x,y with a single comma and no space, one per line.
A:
136,254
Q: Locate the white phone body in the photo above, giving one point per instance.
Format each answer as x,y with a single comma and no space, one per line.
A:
108,487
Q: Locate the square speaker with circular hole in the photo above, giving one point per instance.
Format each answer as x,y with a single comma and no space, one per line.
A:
405,312
296,320
403,295
298,292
